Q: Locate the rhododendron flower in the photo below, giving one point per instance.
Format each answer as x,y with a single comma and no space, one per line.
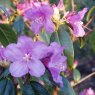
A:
55,61
40,16
88,92
25,57
75,21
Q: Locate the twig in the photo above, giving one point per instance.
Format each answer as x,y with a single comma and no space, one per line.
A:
87,28
89,32
73,5
89,21
85,78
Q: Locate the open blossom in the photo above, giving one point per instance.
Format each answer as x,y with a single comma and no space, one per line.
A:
25,57
87,92
55,62
40,17
75,21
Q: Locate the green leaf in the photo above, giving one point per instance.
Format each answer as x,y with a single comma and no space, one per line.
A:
34,88
48,82
7,87
92,41
5,73
67,89
5,3
81,41
27,90
44,36
90,13
76,75
64,39
54,1
18,24
7,35
39,89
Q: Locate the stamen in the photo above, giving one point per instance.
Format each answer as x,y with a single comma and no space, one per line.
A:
27,57
39,20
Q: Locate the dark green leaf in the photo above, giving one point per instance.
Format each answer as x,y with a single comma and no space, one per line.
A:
7,35
54,1
18,24
7,87
27,90
92,41
48,82
34,88
44,36
90,13
67,89
5,73
76,75
64,39
39,89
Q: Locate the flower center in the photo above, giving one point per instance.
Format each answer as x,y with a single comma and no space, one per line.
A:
27,57
39,20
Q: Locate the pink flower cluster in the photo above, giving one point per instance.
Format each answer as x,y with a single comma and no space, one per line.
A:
40,15
87,92
31,57
75,21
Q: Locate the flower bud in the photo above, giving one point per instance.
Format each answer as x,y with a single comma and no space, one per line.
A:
75,64
56,15
4,63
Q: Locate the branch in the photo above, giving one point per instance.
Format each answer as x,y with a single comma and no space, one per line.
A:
89,21
85,78
89,31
